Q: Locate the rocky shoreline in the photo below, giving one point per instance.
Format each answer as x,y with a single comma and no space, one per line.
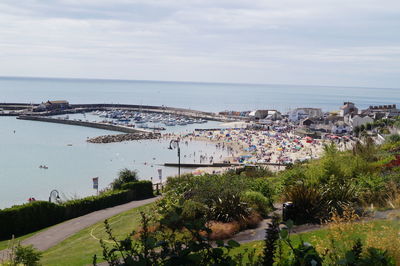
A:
123,137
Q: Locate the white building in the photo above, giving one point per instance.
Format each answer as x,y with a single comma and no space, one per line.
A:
348,108
303,113
382,111
340,127
266,114
358,120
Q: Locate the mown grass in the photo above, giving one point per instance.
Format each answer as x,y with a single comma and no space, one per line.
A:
80,248
376,233
5,243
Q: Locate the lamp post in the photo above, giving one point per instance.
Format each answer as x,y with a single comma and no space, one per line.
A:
54,193
174,144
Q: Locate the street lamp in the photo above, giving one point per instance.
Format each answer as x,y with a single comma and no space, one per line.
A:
54,193
174,144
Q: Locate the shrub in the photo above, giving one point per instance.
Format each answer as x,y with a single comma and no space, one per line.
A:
164,248
221,230
257,202
308,203
393,138
141,189
124,176
193,210
26,255
264,186
27,218
228,208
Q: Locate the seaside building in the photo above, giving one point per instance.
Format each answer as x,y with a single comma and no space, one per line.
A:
382,111
303,113
357,120
340,127
348,108
53,105
265,114
307,123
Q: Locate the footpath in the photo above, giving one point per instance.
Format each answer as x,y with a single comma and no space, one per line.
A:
57,233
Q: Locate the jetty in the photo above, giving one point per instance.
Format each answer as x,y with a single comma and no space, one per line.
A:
197,165
124,137
104,126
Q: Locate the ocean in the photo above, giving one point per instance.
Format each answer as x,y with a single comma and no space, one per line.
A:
199,96
25,145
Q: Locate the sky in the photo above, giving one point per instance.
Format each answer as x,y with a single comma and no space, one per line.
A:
324,42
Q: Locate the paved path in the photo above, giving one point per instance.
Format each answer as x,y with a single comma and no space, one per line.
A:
258,233
55,234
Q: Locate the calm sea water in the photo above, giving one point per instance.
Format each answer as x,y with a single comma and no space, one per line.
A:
72,167
200,96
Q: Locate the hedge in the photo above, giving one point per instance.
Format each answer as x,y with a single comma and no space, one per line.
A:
23,219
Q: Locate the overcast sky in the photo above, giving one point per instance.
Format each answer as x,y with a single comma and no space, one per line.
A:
316,42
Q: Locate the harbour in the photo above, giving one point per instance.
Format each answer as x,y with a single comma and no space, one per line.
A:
65,149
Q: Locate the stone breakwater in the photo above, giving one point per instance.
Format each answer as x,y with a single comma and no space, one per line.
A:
124,137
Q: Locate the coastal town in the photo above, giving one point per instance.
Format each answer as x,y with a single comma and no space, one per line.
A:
258,137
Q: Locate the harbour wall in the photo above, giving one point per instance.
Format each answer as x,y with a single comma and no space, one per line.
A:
83,124
26,107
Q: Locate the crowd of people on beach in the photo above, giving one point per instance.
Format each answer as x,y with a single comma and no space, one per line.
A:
279,145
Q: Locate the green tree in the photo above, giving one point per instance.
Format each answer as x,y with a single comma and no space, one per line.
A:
124,176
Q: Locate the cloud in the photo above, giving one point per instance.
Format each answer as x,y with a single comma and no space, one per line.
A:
233,41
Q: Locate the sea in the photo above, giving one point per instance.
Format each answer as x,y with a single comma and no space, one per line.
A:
72,162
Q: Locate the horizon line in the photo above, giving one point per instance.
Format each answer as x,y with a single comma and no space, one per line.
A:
188,82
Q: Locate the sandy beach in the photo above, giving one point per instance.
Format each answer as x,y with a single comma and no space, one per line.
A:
247,146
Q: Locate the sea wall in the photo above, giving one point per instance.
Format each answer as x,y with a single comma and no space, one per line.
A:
84,124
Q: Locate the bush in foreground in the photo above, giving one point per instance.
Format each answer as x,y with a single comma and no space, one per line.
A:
30,217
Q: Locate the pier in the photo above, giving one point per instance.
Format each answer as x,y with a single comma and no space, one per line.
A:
198,165
84,124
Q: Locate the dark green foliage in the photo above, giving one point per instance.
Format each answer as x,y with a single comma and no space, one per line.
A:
26,256
367,151
193,210
124,176
308,201
164,247
263,186
306,254
271,242
373,256
257,202
228,208
30,217
355,179
394,138
141,189
357,250
376,257
218,197
314,204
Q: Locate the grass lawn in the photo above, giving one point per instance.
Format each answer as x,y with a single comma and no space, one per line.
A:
80,248
362,230
4,243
